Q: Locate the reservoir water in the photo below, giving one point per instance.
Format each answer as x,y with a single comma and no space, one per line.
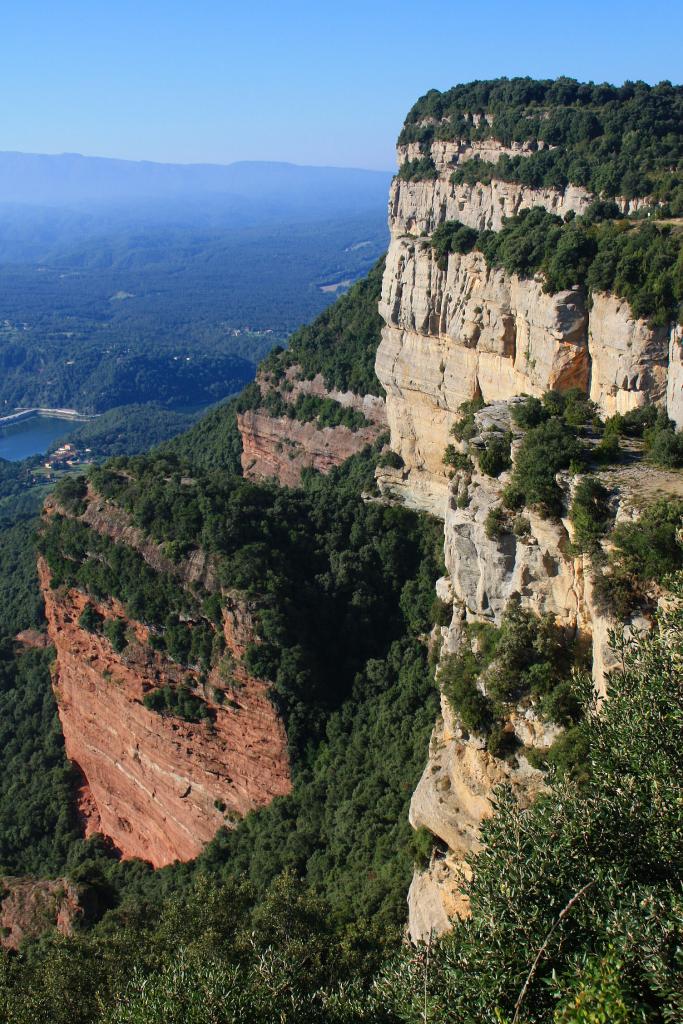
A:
32,436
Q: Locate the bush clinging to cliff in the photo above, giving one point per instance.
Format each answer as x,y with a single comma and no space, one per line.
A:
640,261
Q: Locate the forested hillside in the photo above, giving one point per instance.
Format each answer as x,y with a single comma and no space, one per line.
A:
177,315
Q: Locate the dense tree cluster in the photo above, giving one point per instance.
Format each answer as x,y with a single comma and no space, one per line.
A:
613,140
38,823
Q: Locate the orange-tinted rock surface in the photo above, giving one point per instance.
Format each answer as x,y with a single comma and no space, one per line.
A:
31,906
277,447
158,786
280,448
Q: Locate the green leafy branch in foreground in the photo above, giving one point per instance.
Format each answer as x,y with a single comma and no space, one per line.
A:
620,832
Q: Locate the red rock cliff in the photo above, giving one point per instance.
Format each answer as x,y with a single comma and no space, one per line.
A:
279,448
158,786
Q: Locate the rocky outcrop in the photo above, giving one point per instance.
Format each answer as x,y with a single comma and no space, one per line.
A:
674,392
29,907
532,561
418,207
451,800
629,358
465,330
279,448
159,786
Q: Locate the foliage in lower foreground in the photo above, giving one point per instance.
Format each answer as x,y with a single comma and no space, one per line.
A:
577,907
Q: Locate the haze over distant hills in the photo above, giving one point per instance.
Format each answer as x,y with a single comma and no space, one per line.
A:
49,203
131,282
70,178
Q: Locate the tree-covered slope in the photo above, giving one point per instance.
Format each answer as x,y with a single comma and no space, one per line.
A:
576,909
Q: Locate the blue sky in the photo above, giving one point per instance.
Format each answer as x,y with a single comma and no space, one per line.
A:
310,82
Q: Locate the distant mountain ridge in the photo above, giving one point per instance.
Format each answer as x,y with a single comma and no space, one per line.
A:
68,178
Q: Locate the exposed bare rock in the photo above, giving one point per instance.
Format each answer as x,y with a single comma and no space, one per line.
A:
158,786
435,898
279,448
417,207
466,331
485,572
32,638
452,799
29,907
629,359
674,394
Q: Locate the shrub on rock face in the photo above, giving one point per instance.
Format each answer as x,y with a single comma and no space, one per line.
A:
544,451
391,460
590,514
115,632
529,413
71,493
495,458
495,524
90,619
663,443
457,460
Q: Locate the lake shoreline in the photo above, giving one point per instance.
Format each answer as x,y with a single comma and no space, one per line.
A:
21,415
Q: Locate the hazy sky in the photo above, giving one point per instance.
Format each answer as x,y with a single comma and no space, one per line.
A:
311,82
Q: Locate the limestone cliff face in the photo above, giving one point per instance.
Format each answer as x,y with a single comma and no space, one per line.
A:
452,799
158,786
468,330
629,359
419,207
277,447
537,566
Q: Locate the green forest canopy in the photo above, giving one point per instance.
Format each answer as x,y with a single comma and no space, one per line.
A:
613,140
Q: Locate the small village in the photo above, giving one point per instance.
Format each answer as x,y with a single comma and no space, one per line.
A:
66,456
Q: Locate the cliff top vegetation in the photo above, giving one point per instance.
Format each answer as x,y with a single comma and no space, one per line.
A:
613,140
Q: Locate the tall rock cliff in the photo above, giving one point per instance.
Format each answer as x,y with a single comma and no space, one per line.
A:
464,330
457,329
157,784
